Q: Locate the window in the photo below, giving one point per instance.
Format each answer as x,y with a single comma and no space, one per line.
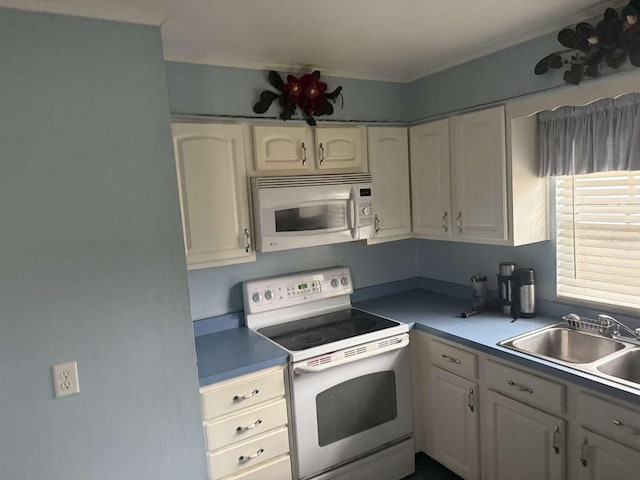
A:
598,238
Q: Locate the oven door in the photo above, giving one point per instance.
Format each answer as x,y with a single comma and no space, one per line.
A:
348,410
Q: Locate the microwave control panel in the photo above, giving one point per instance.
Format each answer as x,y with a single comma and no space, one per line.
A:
365,205
295,289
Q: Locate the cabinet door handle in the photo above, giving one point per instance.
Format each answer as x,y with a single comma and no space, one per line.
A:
459,222
376,223
583,452
556,438
303,148
470,402
321,154
445,221
450,359
246,458
627,428
246,396
247,240
251,426
519,386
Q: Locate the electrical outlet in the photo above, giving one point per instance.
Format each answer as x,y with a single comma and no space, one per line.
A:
65,379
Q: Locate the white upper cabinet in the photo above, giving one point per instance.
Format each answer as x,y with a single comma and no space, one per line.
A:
431,180
283,148
339,148
212,183
478,173
389,167
300,149
469,184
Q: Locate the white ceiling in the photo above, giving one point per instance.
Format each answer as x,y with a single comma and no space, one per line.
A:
397,40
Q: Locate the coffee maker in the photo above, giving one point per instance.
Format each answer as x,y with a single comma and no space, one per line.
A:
516,290
506,273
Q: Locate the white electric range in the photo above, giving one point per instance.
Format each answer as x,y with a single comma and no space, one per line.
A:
350,375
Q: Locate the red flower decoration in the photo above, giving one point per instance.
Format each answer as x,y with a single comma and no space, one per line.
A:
306,92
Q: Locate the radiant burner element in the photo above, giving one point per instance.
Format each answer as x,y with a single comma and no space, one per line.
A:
308,339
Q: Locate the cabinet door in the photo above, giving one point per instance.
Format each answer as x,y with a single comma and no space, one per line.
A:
431,180
454,421
522,443
604,459
210,164
280,148
339,148
478,170
389,167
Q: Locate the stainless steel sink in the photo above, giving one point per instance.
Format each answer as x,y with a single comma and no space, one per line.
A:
565,344
612,359
625,366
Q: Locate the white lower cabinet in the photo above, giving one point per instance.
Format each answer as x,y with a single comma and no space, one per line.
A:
454,410
604,459
524,425
245,422
523,443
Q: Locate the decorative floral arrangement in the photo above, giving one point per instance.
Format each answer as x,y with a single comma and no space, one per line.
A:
609,44
306,92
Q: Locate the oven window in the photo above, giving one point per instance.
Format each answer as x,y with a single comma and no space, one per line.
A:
355,406
316,217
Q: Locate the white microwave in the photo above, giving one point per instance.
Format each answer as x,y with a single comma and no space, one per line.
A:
303,211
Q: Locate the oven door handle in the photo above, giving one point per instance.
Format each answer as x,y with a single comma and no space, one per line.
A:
302,369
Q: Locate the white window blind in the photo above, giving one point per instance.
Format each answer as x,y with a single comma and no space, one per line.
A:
598,238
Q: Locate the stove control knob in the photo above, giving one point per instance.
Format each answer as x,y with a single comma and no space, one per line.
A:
256,297
268,295
344,281
334,283
367,211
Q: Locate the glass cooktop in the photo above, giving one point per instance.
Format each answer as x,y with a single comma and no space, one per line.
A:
323,329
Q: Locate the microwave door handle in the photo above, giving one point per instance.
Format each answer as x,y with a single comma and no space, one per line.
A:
352,214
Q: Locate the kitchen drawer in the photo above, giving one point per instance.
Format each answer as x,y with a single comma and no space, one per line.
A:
245,424
248,454
610,419
277,469
517,384
454,359
246,391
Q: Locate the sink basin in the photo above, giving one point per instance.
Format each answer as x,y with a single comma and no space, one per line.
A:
566,345
625,366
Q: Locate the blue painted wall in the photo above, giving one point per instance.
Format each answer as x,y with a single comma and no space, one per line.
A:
215,291
221,91
91,255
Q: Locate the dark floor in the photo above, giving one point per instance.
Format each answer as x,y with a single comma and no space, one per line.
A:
428,469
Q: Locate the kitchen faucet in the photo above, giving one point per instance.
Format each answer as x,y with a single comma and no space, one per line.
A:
617,326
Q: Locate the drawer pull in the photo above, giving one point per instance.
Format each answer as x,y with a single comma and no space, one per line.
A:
451,359
246,396
627,428
249,427
583,451
556,435
246,458
520,387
